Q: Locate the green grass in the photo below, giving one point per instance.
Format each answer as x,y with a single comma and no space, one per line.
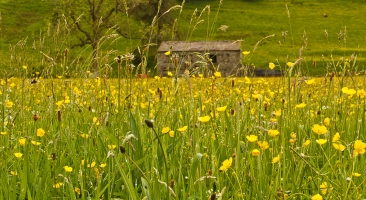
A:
249,21
253,20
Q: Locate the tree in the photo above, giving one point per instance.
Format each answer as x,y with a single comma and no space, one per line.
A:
93,18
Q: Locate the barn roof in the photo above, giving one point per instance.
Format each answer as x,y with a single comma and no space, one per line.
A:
227,45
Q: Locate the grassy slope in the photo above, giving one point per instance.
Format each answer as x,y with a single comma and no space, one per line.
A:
247,20
253,20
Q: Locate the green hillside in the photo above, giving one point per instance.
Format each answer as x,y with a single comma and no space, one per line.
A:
249,21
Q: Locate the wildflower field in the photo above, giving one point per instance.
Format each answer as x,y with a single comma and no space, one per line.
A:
183,138
76,124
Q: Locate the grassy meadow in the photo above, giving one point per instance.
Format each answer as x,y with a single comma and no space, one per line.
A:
191,138
70,133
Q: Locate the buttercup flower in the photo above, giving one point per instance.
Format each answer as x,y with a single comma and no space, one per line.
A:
204,119
165,130
276,159
327,121
18,155
317,197
67,169
339,147
252,138
226,164
324,187
306,143
320,130
184,128
310,81
217,74
355,174
168,53
255,152
221,109
77,190
171,133
271,65
9,104
246,52
40,132
22,141
336,137
321,141
359,148
263,145
273,133
57,185
347,91
290,64
111,146
35,143
301,105
92,164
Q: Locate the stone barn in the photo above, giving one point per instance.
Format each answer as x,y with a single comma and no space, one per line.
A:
200,57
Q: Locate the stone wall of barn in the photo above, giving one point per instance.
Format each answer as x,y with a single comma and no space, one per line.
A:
227,62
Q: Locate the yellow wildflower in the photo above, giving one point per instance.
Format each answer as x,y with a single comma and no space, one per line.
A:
338,146
217,74
347,91
9,104
327,121
359,147
321,141
310,81
323,187
221,109
18,155
355,174
40,132
68,169
301,105
263,145
165,130
57,185
77,190
336,137
320,130
290,64
204,119
171,133
276,159
252,138
226,164
184,128
22,141
317,197
273,133
306,143
255,152
271,65
35,143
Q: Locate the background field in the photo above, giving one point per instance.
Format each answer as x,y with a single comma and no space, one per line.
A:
249,21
